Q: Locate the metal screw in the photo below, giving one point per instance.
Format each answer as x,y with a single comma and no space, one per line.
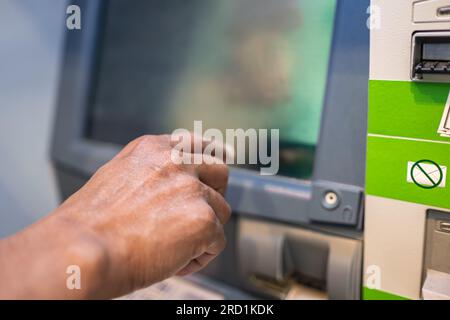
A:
331,200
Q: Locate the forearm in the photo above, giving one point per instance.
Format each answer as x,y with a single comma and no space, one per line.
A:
140,219
34,263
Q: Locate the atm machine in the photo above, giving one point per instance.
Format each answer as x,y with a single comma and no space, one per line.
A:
407,211
298,65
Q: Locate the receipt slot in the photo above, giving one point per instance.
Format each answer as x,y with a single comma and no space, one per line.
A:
437,257
431,56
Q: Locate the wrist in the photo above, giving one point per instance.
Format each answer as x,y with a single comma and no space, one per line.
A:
88,266
53,259
84,254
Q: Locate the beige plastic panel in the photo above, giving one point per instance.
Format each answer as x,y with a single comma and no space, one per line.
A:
394,240
427,11
390,48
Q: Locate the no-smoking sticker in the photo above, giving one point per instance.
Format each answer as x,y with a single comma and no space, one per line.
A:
427,174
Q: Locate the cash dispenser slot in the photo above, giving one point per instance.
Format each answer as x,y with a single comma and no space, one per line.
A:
431,56
293,263
436,270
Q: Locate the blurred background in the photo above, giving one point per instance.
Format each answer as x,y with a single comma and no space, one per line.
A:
31,41
236,64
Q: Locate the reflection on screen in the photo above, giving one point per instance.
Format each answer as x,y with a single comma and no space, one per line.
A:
232,64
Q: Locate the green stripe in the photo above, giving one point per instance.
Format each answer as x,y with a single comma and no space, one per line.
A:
372,294
387,170
412,111
407,109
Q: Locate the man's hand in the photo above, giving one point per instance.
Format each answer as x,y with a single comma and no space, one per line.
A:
140,219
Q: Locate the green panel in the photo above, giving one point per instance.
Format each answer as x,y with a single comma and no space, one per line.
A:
372,294
407,109
387,170
403,123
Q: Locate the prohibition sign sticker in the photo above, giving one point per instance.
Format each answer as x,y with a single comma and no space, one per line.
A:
427,174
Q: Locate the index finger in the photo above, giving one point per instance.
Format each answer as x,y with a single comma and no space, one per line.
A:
189,142
213,173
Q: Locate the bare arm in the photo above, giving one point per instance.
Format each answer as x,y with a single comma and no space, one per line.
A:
140,219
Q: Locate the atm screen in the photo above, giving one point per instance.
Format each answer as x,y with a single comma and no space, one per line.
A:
163,64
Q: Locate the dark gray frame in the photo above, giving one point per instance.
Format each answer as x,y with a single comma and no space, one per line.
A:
340,157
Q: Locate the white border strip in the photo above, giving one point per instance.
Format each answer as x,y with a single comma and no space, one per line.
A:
405,138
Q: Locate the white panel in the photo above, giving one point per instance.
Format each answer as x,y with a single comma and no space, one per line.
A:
427,11
391,43
394,239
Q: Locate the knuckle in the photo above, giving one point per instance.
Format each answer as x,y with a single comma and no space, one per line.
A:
219,240
171,166
140,144
145,140
222,178
191,184
153,141
195,187
164,137
226,172
207,216
128,164
103,169
223,242
225,169
228,210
